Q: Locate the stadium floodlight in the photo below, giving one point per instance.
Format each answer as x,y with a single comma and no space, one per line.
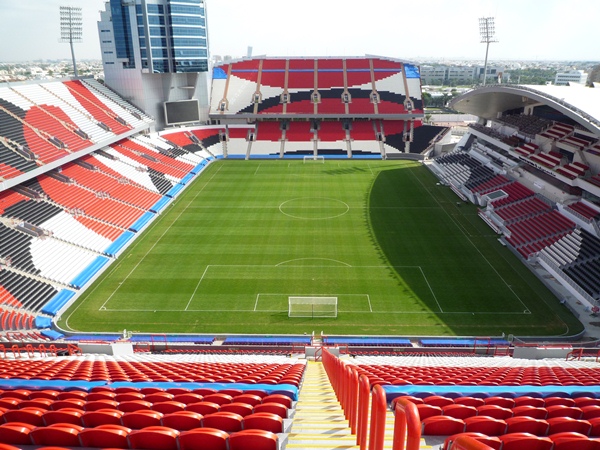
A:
71,28
487,32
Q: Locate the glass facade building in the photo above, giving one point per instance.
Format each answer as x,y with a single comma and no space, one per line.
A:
171,34
156,51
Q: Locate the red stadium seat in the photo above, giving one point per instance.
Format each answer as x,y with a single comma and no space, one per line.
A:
469,401
491,441
68,403
168,407
243,409
188,398
134,405
278,398
226,421
442,426
263,421
275,408
495,411
438,400
159,397
218,398
16,433
57,434
105,436
136,420
530,411
129,396
182,420
153,438
203,407
564,411
505,402
102,417
529,401
525,424
485,425
458,411
590,411
32,416
253,440
45,393
520,441
204,438
563,401
66,415
100,404
562,424
102,395
249,399
426,411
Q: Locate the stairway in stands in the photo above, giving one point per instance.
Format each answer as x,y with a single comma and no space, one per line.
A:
319,421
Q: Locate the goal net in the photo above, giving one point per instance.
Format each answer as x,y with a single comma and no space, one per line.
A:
313,158
312,307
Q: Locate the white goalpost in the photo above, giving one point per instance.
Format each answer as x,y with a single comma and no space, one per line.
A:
313,158
312,307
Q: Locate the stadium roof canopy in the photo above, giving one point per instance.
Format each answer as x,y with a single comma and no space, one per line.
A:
579,103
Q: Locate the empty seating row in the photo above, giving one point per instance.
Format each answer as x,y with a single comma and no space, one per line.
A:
66,436
584,210
447,425
112,371
136,413
485,376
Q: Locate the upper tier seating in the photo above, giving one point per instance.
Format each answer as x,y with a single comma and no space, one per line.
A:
325,86
44,122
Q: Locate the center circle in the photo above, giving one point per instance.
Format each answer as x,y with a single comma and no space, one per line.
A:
314,208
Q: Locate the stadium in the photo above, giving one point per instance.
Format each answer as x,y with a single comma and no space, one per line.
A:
293,259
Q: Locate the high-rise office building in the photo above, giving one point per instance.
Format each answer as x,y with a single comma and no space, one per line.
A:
156,52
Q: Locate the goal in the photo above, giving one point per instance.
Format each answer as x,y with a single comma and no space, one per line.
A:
313,158
312,307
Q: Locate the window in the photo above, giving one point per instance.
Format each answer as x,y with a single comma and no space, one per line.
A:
195,2
160,53
187,20
188,42
188,31
155,9
158,31
158,42
156,20
189,52
181,9
107,42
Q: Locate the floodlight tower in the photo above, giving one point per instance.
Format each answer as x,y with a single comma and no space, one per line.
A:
487,31
71,28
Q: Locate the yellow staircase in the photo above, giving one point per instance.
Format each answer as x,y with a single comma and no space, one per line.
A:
319,421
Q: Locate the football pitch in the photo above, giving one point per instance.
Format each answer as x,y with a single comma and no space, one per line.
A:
395,248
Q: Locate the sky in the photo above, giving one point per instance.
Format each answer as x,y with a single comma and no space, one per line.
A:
406,29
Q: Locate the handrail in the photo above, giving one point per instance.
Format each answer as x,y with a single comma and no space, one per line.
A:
468,443
353,387
362,416
378,414
407,426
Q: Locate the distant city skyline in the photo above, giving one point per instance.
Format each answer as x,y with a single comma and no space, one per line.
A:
437,29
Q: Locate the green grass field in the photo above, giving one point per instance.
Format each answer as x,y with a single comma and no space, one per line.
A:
395,248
